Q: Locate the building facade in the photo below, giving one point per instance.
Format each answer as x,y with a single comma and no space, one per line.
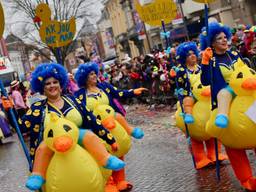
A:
106,44
128,30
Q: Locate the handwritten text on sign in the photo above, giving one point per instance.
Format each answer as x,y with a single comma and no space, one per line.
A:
156,11
58,34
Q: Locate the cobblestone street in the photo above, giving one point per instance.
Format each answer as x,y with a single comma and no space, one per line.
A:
158,163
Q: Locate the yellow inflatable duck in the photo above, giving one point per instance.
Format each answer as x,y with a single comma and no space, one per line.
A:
54,33
240,135
201,113
241,132
71,168
202,95
106,115
2,22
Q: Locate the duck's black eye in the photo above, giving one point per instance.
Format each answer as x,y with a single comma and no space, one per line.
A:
199,86
41,10
191,88
252,72
239,75
98,117
67,128
108,110
50,133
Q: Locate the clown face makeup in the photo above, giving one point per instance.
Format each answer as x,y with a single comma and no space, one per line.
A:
220,43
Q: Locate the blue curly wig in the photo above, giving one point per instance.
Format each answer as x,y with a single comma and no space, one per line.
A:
215,28
83,71
183,50
45,71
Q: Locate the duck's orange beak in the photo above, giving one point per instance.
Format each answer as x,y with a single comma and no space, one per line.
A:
36,19
206,92
249,83
109,123
63,143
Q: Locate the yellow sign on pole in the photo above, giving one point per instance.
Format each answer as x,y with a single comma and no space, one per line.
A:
2,22
52,32
204,1
157,11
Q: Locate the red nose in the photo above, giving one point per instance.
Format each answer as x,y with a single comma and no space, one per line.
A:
37,19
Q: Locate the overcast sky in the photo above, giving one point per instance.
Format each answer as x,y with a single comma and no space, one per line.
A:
14,20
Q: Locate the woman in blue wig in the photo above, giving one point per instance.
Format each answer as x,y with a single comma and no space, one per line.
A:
187,56
50,79
93,93
222,61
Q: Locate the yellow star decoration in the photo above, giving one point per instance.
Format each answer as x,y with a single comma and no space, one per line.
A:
102,132
234,52
182,69
40,78
37,103
110,136
98,122
180,79
36,142
115,88
28,124
36,112
81,97
108,90
32,151
121,94
78,101
29,112
89,118
185,75
36,128
185,92
20,121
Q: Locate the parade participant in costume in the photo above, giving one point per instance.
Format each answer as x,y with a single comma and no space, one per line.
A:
50,80
227,68
92,91
222,61
240,135
187,54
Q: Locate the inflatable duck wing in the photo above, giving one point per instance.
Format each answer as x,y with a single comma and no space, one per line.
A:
201,110
106,115
71,168
241,132
54,33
